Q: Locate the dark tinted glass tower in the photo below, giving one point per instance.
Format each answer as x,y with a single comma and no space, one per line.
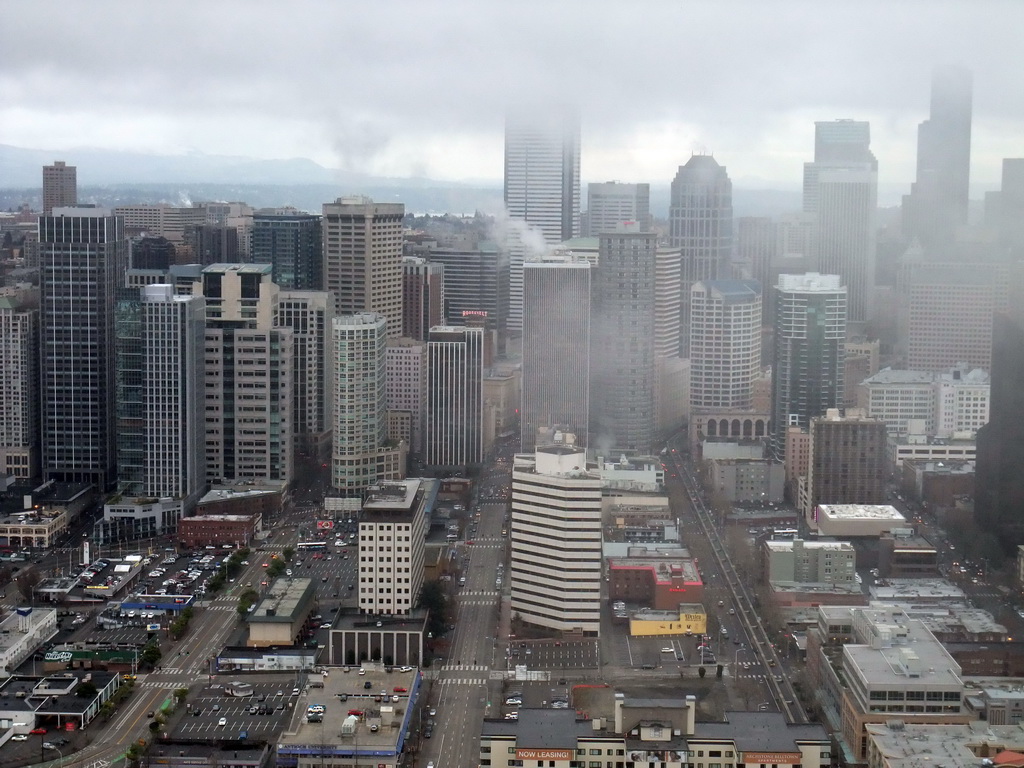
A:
290,241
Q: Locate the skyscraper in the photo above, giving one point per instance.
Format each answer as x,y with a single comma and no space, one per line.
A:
422,296
19,383
556,348
555,570
725,344
361,455
700,224
455,369
60,186
542,186
841,193
83,254
363,258
810,336
999,482
290,240
249,374
612,203
937,203
848,462
623,370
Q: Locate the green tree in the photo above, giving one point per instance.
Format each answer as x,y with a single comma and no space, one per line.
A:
180,694
150,654
86,690
435,602
288,553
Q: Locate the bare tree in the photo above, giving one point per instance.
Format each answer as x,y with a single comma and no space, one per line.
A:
26,581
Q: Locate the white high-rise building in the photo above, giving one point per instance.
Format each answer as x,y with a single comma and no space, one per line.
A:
841,192
407,385
555,573
392,531
725,343
961,401
556,347
612,203
455,370
363,258
360,456
542,187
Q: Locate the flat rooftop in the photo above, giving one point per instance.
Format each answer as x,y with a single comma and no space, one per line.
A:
899,590
849,512
376,705
399,494
777,545
890,376
951,746
881,666
541,729
282,601
413,622
760,732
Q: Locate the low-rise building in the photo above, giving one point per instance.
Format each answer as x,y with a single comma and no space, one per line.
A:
857,520
261,500
825,562
173,754
659,579
356,638
758,739
902,554
21,633
217,530
920,447
687,619
748,480
59,701
367,720
35,517
282,614
636,474
937,483
896,744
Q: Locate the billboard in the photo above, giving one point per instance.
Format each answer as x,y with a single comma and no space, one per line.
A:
545,754
658,756
772,758
324,525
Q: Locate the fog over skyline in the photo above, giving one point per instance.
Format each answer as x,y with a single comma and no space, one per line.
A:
420,88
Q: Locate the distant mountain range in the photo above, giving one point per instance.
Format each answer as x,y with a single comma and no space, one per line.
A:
108,177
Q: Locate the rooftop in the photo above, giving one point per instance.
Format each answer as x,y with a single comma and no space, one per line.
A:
242,269
951,746
860,512
889,376
810,282
900,590
541,729
283,601
760,732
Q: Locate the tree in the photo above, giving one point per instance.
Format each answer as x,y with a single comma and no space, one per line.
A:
6,575
27,581
180,694
701,671
288,553
433,599
86,690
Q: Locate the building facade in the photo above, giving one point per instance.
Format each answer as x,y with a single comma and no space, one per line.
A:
308,315
423,302
83,254
847,461
292,242
555,571
701,225
60,186
807,368
19,382
455,370
556,348
406,370
612,203
363,258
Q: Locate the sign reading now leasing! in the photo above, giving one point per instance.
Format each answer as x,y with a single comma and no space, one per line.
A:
545,754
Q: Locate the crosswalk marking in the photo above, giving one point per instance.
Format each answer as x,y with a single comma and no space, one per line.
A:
465,668
477,593
462,681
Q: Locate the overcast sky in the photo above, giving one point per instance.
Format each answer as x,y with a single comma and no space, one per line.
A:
419,87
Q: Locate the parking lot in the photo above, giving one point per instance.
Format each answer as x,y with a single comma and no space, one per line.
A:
554,654
212,704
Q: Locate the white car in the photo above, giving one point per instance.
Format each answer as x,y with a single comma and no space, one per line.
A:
222,722
19,737
666,649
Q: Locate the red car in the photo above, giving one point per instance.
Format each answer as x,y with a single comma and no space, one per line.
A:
38,731
400,689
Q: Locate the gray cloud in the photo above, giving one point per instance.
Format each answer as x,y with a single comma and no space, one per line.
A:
410,86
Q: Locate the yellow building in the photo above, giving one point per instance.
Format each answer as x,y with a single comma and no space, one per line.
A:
690,619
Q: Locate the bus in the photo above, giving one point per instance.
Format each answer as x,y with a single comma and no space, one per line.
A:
311,546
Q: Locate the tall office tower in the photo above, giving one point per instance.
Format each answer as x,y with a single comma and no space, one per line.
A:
555,570
1010,216
151,253
422,296
947,312
725,344
700,223
212,244
757,251
83,254
476,280
249,363
622,401
362,455
810,336
848,462
556,348
612,203
161,219
291,241
392,530
999,482
406,368
60,186
455,371
363,258
841,193
161,398
19,383
309,314
667,301
937,203
542,187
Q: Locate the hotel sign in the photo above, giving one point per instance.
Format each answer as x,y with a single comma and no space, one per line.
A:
545,754
772,758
